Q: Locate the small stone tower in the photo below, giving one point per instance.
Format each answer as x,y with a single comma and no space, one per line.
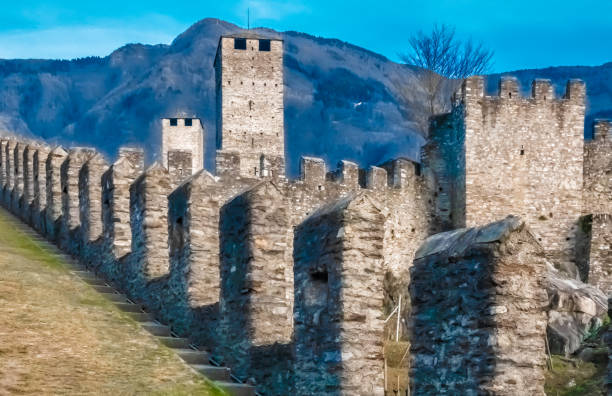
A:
183,133
249,85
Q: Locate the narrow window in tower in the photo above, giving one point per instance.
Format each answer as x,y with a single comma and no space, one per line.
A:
252,142
264,45
188,122
173,122
251,105
239,43
522,150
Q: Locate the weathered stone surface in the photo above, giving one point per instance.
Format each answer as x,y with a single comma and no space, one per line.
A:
39,199
575,309
479,311
69,170
53,183
339,275
116,183
495,156
149,260
183,137
90,208
28,182
192,303
179,166
17,192
250,105
598,170
257,285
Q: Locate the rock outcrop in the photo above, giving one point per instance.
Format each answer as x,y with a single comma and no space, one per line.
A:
575,310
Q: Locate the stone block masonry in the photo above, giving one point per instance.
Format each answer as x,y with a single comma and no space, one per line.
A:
479,310
116,183
499,155
182,134
250,94
257,285
39,199
600,255
339,273
28,182
71,220
90,208
149,222
195,281
9,158
17,193
53,183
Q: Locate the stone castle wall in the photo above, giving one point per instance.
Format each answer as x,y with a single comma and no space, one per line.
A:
516,156
201,261
479,309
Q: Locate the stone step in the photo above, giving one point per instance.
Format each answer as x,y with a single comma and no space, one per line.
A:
141,316
214,373
156,329
192,356
175,342
104,289
94,281
129,307
118,298
236,389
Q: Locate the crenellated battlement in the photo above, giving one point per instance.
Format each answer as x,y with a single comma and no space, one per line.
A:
542,90
602,130
248,263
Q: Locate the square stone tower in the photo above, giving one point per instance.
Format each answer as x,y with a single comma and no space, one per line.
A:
183,133
250,109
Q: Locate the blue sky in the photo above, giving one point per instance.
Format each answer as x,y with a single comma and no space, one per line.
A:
524,34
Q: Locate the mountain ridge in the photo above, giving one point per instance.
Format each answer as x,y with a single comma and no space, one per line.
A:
341,101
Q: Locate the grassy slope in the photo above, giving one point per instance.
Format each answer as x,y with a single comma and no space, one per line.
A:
58,336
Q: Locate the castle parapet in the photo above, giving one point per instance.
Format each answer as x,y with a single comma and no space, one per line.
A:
227,164
473,88
272,166
602,130
337,305
179,166
256,284
348,174
90,197
508,88
117,233
10,171
542,89
401,172
376,178
39,174
70,193
575,91
53,188
28,181
149,222
312,171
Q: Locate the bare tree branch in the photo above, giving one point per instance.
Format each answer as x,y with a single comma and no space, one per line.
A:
442,56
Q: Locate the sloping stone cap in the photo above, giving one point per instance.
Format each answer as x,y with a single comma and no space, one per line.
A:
455,243
343,203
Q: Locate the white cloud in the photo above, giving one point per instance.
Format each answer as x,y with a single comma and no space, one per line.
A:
266,10
98,39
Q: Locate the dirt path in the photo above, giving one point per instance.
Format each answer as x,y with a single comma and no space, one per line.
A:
59,337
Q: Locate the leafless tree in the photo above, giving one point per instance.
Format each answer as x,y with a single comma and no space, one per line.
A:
442,56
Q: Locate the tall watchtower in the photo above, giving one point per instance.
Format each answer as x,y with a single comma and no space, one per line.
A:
250,110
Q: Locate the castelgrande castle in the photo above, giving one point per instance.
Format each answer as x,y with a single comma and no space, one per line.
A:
289,282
